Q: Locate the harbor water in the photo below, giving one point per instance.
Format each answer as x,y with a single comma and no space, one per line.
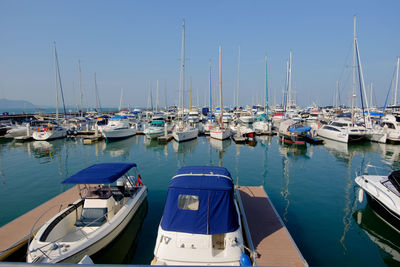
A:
312,188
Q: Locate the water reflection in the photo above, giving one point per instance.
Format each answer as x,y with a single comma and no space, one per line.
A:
154,145
184,147
119,148
220,145
43,149
122,249
384,237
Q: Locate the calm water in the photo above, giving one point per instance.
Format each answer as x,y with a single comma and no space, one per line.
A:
313,189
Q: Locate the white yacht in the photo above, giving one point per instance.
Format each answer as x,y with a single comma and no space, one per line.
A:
201,221
184,132
343,130
49,131
118,127
383,194
391,127
93,221
193,116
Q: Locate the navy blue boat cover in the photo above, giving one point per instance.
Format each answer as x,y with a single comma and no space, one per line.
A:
103,173
216,212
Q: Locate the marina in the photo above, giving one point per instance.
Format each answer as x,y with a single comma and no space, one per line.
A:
281,156
287,173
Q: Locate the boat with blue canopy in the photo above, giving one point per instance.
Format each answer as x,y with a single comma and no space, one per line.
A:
201,223
111,193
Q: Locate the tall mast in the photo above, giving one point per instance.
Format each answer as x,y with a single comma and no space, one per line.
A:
354,69
190,103
80,86
220,83
397,82
290,100
56,78
157,98
183,69
98,105
238,81
210,92
120,99
266,88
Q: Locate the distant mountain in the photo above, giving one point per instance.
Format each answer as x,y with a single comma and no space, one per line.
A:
7,103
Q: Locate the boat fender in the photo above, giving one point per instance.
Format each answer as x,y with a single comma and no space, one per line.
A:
360,195
245,260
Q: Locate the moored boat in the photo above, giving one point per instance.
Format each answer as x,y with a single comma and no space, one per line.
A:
93,221
201,222
383,193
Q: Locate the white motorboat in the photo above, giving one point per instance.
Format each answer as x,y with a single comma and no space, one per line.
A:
333,133
93,221
49,131
185,132
391,127
156,128
201,221
118,127
383,193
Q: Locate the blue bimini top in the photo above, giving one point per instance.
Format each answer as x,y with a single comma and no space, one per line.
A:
103,173
200,200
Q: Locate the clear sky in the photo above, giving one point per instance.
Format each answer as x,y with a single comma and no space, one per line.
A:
132,44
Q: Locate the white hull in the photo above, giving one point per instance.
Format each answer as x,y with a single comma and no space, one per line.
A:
57,133
185,134
90,243
112,133
246,119
153,133
220,134
333,135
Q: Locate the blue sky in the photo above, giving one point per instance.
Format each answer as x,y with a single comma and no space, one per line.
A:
130,44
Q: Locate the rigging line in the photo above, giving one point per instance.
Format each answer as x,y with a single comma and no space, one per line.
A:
359,80
59,80
345,62
390,87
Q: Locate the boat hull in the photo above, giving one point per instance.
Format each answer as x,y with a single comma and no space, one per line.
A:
96,242
186,135
333,135
115,134
220,134
49,135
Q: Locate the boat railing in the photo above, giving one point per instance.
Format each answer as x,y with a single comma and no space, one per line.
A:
53,244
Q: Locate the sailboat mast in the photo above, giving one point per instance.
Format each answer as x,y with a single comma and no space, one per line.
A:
120,99
397,82
290,100
183,69
210,92
266,88
157,98
80,86
238,81
190,103
56,78
354,70
220,83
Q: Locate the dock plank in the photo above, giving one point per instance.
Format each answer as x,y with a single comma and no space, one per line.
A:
16,233
271,240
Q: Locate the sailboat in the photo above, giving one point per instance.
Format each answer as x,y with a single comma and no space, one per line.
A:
262,125
52,130
209,124
220,132
184,131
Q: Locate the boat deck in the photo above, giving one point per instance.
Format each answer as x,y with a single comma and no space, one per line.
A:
16,233
266,233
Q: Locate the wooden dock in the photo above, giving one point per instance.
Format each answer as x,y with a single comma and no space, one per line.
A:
165,138
16,233
265,231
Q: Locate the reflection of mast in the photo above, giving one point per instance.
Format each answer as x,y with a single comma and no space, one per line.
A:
285,189
350,204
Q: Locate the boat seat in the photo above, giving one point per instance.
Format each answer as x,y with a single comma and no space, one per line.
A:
92,217
117,193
